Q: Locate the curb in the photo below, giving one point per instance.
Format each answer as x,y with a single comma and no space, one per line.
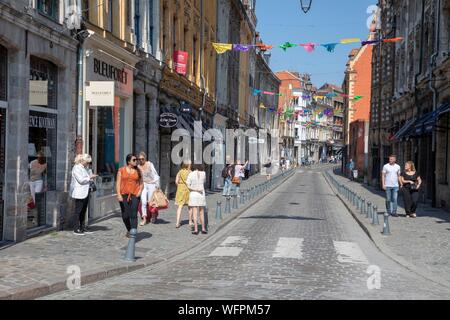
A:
47,288
377,241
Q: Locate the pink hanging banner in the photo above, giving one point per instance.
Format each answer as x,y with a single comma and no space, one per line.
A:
180,59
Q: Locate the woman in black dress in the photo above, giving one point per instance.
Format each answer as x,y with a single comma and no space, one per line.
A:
410,181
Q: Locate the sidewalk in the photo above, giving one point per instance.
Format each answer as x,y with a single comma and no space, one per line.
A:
421,244
38,266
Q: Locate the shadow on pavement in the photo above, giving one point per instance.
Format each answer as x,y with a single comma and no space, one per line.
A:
142,236
281,217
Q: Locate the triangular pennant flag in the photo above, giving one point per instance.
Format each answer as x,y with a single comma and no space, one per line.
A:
222,47
330,46
256,92
242,47
350,40
356,98
309,47
369,42
393,39
287,45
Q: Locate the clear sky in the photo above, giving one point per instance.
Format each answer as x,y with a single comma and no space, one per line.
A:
328,21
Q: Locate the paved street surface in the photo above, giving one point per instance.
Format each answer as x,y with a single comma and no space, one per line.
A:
44,260
299,242
423,241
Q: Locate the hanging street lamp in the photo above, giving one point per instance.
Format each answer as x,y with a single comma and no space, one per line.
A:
306,5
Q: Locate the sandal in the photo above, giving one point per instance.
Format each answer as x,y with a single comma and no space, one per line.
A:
177,225
143,222
195,232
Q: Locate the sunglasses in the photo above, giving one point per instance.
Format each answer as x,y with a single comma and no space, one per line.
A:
133,160
142,159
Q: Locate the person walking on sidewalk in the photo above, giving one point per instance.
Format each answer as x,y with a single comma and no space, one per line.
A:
197,197
268,166
182,196
79,190
150,179
410,182
390,177
129,187
239,173
351,167
227,175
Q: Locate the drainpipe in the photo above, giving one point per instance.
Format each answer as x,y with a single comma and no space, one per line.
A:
435,95
80,96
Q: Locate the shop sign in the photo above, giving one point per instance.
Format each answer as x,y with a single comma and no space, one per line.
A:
180,59
38,93
100,93
185,107
42,122
168,120
103,68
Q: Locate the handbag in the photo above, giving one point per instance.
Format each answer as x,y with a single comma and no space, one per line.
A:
413,187
236,180
160,199
92,186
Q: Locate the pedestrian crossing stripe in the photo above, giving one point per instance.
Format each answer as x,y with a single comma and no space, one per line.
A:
290,248
349,252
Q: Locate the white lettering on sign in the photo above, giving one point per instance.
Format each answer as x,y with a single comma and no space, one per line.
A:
42,122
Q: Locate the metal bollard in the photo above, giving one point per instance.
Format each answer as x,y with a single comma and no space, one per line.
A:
358,203
219,210
241,198
386,230
245,195
363,206
375,220
228,205
235,202
129,254
369,205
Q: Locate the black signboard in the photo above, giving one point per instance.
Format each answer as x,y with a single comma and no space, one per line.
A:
185,107
168,120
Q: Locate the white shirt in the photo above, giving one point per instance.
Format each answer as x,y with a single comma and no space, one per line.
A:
239,171
391,173
149,174
79,186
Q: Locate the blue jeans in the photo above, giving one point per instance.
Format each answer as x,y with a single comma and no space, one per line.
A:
226,187
391,200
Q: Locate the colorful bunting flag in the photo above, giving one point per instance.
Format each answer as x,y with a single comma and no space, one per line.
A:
242,47
256,92
369,42
330,46
309,47
393,39
350,40
222,47
287,45
356,98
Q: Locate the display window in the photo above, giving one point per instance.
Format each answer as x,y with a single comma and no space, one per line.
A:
3,104
106,144
42,139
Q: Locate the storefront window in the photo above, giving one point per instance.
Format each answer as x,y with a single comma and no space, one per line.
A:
2,165
42,139
106,144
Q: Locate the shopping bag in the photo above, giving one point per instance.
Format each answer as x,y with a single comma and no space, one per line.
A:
160,199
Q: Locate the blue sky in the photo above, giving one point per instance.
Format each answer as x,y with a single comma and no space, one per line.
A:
327,21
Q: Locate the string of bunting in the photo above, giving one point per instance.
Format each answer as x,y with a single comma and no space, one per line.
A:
309,47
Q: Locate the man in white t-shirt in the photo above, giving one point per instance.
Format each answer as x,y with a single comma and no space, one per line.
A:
390,177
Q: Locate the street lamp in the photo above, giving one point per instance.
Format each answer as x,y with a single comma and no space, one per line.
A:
306,6
308,86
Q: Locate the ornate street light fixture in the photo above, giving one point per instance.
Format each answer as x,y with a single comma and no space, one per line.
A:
306,5
308,86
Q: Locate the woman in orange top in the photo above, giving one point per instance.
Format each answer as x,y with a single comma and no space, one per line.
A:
129,186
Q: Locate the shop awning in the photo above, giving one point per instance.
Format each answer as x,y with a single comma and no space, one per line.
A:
405,129
428,122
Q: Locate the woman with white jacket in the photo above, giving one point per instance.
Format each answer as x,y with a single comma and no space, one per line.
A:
79,190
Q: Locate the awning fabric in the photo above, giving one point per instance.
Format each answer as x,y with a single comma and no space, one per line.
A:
405,129
427,122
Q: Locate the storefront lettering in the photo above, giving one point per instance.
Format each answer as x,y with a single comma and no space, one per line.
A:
110,72
41,122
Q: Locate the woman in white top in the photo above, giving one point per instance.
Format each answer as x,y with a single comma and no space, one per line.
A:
37,169
79,190
151,182
197,198
239,173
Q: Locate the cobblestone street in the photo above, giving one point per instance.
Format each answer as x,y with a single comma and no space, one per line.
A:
299,242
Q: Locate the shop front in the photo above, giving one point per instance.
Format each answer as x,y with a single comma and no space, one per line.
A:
109,125
3,105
